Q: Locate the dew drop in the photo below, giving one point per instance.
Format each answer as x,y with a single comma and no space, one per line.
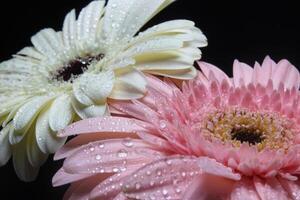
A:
127,143
122,153
162,124
98,157
137,186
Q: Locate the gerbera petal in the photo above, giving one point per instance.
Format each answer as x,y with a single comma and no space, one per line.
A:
162,174
242,74
5,149
61,177
96,87
111,187
244,190
101,124
287,74
209,68
87,22
69,33
204,187
46,139
124,18
25,117
292,187
81,190
48,42
35,156
108,157
129,85
185,74
61,113
24,170
90,111
270,189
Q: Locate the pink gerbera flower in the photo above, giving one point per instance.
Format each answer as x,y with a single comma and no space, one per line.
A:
215,138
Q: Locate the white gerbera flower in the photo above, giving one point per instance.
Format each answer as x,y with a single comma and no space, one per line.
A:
70,74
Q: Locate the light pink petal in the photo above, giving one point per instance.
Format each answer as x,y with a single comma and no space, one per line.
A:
82,189
292,187
158,85
61,177
287,74
102,124
267,68
207,186
169,178
244,190
81,140
270,189
218,74
109,156
242,74
111,187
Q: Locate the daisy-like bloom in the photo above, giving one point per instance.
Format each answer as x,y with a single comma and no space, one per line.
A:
70,74
214,138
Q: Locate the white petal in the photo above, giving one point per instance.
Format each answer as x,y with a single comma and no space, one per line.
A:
25,117
69,30
31,52
92,111
5,149
48,42
35,156
177,74
88,20
129,85
46,139
61,113
124,18
24,170
97,86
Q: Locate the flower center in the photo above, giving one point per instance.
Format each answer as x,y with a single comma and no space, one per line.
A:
75,67
260,129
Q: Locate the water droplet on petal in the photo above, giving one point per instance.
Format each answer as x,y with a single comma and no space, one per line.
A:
122,153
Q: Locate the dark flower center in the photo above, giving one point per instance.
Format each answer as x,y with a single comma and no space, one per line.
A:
75,68
245,135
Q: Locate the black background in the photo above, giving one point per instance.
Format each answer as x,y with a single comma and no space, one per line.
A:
247,31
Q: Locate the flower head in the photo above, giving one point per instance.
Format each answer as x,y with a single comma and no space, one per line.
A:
214,138
70,74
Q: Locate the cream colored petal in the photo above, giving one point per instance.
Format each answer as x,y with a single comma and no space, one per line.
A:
32,53
46,139
69,31
26,115
177,74
5,149
129,85
85,112
24,170
61,113
123,18
35,156
96,87
80,95
48,42
88,21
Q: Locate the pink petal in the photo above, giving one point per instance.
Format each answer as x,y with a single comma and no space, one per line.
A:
244,190
80,140
81,190
169,178
109,156
218,74
266,71
287,74
270,189
204,187
242,73
292,187
61,177
111,187
104,124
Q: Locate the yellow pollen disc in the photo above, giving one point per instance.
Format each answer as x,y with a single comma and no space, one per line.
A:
260,129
